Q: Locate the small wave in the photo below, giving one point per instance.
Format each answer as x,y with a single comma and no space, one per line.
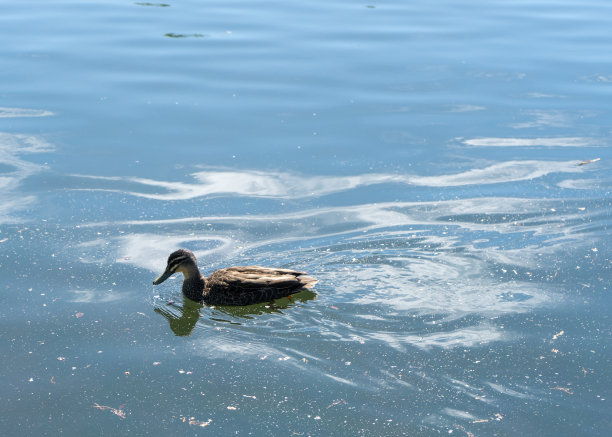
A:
252,183
16,170
532,142
23,112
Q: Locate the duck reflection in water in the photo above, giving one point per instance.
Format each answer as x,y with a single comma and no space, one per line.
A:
184,319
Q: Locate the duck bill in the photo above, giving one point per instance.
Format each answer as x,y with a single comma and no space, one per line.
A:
163,277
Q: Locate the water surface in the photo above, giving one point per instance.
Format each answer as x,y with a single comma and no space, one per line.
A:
443,169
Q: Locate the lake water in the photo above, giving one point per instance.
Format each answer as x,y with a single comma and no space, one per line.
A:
442,167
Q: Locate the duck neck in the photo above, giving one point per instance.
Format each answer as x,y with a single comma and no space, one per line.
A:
189,271
193,287
193,282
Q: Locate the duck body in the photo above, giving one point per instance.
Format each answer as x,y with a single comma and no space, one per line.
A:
243,285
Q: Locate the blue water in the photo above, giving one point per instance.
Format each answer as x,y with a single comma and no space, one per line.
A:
443,168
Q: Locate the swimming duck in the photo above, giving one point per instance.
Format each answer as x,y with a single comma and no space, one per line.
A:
244,285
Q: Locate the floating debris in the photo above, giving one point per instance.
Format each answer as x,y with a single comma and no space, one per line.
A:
194,422
115,411
590,161
459,427
558,334
338,402
158,5
79,315
566,390
180,35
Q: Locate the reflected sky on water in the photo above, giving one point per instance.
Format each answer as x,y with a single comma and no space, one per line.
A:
442,168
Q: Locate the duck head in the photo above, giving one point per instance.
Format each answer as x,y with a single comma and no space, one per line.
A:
182,261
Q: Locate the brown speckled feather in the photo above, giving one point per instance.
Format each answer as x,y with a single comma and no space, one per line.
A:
251,284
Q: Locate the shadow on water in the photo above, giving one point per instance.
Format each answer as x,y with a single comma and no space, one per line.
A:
184,319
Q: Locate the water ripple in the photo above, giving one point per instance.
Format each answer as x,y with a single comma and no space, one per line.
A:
290,186
14,169
405,275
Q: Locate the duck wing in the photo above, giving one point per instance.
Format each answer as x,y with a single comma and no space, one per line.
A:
250,284
255,277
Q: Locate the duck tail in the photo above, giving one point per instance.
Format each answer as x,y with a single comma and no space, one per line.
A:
307,281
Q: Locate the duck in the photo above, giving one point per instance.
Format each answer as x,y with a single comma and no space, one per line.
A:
243,285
